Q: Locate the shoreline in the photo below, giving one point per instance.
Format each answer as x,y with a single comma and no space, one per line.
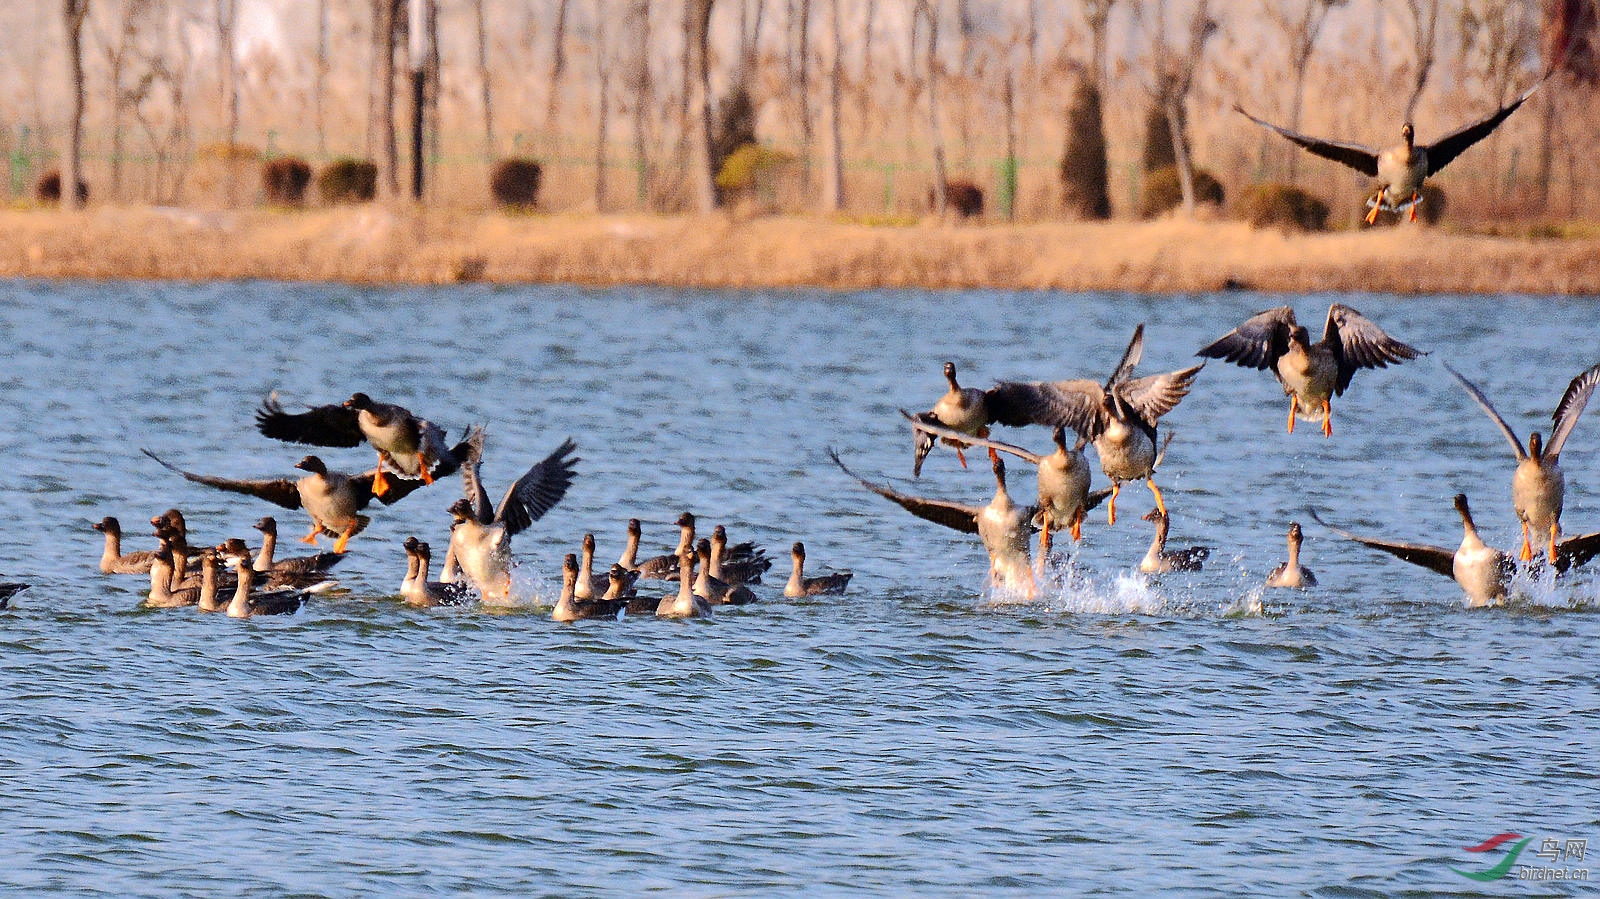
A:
376,244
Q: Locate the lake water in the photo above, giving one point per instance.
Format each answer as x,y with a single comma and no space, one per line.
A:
1117,736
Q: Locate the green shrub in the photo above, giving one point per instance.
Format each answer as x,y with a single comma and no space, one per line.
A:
1163,190
284,180
1284,205
749,165
1083,164
348,181
515,182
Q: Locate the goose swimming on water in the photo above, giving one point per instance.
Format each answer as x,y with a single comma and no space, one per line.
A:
1292,574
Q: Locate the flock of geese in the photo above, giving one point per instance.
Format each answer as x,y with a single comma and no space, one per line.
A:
1121,416
414,453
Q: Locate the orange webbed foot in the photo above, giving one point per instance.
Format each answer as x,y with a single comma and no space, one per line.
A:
338,545
1111,504
422,466
962,456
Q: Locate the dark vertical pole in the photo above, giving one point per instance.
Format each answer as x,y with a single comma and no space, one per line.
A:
419,84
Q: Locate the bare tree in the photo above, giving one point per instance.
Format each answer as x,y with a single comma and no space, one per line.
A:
1175,68
835,193
802,81
1098,15
390,16
602,70
640,89
558,68
319,77
487,99
1420,19
1300,32
118,52
73,13
923,10
697,39
227,59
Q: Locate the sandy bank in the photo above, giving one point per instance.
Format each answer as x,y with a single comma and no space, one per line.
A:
378,245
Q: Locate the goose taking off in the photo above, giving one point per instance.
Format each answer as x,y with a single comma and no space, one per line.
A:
1064,497
1538,487
411,446
1292,574
1311,373
480,538
1482,571
332,499
1004,527
1400,169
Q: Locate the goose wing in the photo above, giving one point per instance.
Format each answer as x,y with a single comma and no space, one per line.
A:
1130,358
318,426
1568,410
951,515
1433,558
1155,395
1362,159
1360,343
470,454
1444,150
1483,402
1077,404
1575,551
1257,343
282,492
939,430
538,491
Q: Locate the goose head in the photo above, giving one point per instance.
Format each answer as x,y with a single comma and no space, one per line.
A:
313,465
267,525
108,525
1408,134
358,401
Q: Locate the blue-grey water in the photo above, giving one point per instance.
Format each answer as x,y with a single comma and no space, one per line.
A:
1119,735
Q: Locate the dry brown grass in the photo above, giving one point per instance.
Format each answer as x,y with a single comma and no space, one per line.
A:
376,244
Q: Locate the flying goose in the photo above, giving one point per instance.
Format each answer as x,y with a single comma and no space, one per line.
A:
1291,573
1064,496
1538,487
411,446
1400,169
1004,527
967,412
1482,571
332,499
480,538
1160,560
823,585
1311,373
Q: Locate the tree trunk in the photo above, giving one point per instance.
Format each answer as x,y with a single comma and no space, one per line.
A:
803,83
389,164
74,12
487,97
319,82
558,68
1424,34
699,39
941,197
835,193
639,88
603,70
1180,149
226,57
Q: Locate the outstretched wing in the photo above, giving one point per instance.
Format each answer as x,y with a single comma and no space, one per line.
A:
281,492
1362,159
1360,343
1155,395
1078,404
951,515
318,426
938,430
1483,402
470,454
1258,342
1443,151
1130,358
1433,558
1575,551
538,491
1568,410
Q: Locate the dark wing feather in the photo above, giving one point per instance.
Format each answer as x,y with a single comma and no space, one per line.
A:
538,491
1575,551
1130,358
951,515
1155,395
1443,151
1568,410
318,426
1483,402
1433,558
1258,342
938,430
471,485
1360,343
1362,159
280,492
1077,404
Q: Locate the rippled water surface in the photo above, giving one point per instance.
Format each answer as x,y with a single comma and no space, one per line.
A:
1118,735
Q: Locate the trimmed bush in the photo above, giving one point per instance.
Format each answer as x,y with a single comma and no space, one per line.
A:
1284,205
48,190
348,181
964,198
514,183
284,180
1431,211
1083,164
1163,190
